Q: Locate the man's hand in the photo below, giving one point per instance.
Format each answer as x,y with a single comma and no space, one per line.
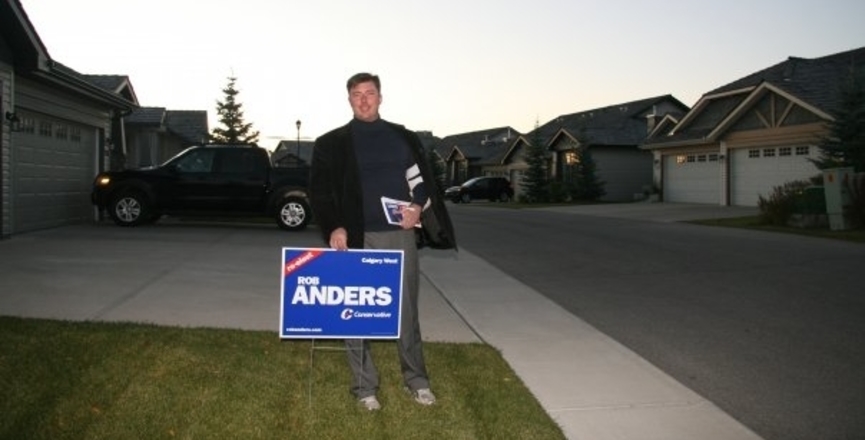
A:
410,216
339,239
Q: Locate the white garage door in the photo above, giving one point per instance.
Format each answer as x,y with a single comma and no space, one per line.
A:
692,178
756,171
53,168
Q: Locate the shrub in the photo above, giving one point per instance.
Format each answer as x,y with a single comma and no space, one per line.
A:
781,204
558,192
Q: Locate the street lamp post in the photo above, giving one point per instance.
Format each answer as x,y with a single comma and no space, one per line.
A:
298,141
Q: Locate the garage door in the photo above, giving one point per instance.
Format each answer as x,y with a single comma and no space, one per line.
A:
692,178
53,165
756,171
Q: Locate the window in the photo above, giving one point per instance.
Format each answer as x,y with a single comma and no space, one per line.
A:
75,134
784,151
768,152
691,158
61,131
753,153
200,161
701,158
713,157
240,162
28,125
680,159
802,151
46,128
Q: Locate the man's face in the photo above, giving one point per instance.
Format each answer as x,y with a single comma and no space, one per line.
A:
365,100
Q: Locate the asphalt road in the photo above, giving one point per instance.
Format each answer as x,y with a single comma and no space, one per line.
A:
768,326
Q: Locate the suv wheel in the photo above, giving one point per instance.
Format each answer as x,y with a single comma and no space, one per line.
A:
504,197
466,198
292,214
130,208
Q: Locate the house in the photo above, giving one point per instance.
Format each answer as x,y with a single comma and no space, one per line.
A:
293,153
479,153
57,130
612,135
744,138
154,134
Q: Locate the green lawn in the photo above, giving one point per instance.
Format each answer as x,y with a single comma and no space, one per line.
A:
753,222
750,222
86,380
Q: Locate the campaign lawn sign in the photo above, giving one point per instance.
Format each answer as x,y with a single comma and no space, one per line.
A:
330,294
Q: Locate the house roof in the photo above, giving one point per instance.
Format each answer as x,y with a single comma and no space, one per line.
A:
815,81
147,116
189,125
32,60
619,124
290,148
482,147
427,139
813,84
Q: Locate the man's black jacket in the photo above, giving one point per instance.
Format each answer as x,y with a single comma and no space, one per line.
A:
337,200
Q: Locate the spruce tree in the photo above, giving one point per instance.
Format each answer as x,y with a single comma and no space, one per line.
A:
438,169
534,180
230,111
845,144
585,184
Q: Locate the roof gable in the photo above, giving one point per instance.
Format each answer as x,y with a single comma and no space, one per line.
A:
15,27
664,125
117,84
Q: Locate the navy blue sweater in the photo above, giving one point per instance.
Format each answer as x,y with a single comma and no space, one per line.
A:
387,168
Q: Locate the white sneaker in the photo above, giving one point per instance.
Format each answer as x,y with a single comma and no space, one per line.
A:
370,403
424,396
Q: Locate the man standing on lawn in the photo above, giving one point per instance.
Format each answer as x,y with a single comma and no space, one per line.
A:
353,167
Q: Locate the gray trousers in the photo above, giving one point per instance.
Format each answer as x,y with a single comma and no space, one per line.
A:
364,380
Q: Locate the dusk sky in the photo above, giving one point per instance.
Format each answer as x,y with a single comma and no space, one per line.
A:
447,66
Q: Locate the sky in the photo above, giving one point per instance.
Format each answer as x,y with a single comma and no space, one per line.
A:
446,66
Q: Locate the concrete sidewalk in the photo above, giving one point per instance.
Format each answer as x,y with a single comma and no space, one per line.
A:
213,276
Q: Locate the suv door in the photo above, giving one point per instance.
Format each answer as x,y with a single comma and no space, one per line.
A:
243,173
195,184
480,189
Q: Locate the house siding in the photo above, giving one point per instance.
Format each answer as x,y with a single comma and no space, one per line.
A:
33,96
624,171
6,79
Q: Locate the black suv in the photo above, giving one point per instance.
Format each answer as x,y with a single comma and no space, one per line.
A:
489,188
207,180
